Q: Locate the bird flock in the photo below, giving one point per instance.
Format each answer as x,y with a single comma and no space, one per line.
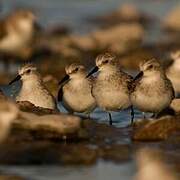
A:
112,89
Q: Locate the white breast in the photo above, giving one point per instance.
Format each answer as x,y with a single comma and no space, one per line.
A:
110,95
78,97
38,96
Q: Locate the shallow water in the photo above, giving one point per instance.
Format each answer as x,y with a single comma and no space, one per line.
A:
73,14
101,171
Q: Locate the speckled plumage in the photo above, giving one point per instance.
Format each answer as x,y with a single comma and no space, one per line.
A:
111,86
76,92
111,90
153,91
33,89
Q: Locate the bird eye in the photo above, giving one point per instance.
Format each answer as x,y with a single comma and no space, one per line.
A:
76,70
150,67
28,71
105,62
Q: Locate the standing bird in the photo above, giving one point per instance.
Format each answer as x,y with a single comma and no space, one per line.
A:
75,91
151,90
33,88
173,71
110,88
17,33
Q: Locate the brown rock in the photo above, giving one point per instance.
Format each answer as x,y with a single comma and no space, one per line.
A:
29,107
50,126
43,152
126,13
157,129
8,113
123,34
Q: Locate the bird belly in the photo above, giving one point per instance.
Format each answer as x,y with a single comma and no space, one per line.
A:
78,102
38,99
150,103
111,100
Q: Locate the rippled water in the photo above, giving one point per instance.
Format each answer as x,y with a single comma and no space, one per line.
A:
73,13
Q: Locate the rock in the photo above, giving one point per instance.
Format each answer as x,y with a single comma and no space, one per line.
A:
48,126
85,43
172,20
123,34
157,129
8,113
151,165
127,13
50,153
29,107
46,147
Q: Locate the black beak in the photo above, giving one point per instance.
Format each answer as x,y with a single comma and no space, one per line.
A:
138,75
16,79
66,78
95,69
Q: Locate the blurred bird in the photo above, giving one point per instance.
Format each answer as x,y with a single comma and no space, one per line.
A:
110,88
75,91
173,71
16,34
33,88
151,90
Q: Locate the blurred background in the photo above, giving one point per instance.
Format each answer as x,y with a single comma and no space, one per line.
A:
77,31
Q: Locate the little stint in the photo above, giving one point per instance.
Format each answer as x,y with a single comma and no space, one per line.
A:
75,91
151,90
173,71
33,89
110,88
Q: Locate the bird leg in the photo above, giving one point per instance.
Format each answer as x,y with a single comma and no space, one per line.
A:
132,115
110,119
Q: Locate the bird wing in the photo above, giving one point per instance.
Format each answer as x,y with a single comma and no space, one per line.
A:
133,83
60,94
128,78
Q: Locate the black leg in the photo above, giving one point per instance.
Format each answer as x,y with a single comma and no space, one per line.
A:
132,115
110,119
